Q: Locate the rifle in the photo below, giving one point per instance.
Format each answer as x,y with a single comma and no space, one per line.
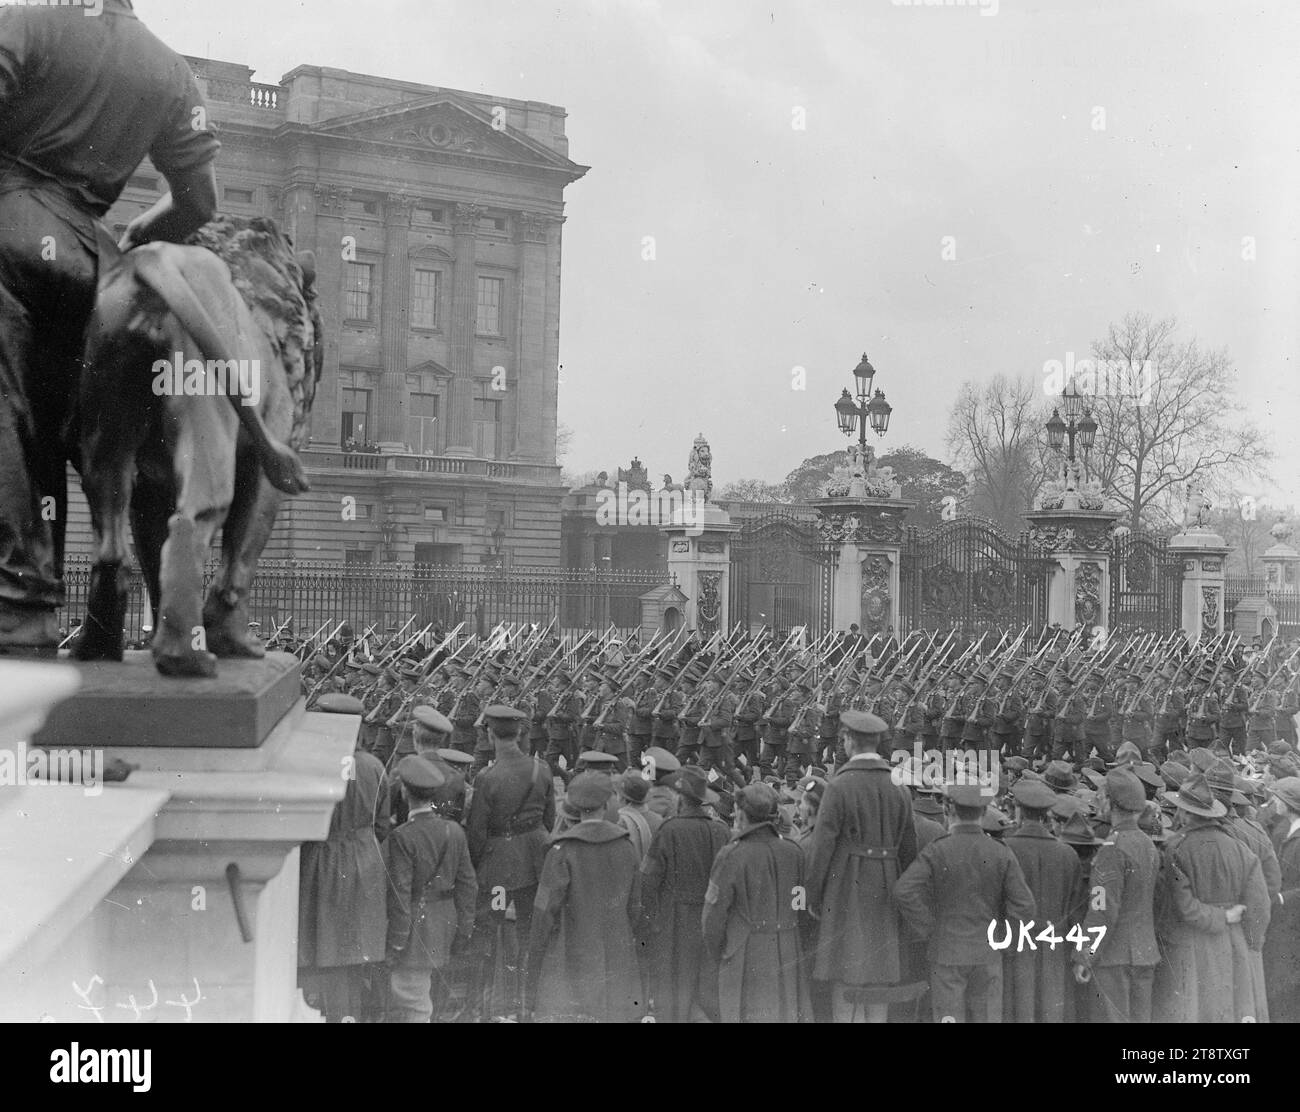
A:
301,651
428,668
1041,706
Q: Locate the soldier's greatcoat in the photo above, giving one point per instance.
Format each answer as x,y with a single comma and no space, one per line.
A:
675,877
864,840
1208,974
1035,981
751,929
583,957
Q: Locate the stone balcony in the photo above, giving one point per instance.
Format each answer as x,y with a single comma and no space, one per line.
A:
335,459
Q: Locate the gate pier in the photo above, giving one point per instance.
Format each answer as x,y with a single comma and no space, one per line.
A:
867,534
1079,543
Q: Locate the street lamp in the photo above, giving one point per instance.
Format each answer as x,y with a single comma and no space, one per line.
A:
869,409
1064,433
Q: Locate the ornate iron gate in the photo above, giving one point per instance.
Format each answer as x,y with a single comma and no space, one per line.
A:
967,573
1146,583
782,575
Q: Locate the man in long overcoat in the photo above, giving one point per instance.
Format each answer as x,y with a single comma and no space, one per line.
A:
341,909
750,922
582,959
1035,982
1215,911
675,877
864,840
1282,944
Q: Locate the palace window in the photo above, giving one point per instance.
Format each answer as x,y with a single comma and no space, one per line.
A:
426,296
491,293
487,428
235,196
356,418
358,291
422,424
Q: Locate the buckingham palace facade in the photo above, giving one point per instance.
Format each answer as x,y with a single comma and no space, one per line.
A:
436,218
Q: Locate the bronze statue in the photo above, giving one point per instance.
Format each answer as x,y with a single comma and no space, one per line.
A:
183,461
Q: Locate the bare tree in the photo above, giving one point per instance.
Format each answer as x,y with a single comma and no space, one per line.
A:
995,436
1168,415
752,490
1245,526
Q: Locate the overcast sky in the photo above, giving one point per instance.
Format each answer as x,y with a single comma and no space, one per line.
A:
778,247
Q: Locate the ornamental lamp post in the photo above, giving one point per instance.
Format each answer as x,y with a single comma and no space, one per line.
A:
1075,428
869,409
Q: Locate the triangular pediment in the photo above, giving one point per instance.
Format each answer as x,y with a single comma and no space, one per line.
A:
430,367
441,122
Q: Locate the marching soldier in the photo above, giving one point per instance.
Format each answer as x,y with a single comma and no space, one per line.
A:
1005,730
828,725
640,725
776,722
465,711
1137,718
610,723
1261,723
748,714
1171,714
953,723
1202,716
977,712
1288,706
688,720
1097,720
716,730
1041,706
1232,719
1067,726
664,732
800,732
560,721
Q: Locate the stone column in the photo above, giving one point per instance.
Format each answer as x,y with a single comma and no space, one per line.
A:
327,204
464,300
1202,552
699,555
530,344
1079,542
869,536
394,330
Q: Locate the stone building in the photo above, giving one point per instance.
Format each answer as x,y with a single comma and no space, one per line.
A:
435,216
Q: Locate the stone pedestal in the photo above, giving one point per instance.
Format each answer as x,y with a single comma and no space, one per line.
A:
1078,541
1203,555
699,555
868,536
171,896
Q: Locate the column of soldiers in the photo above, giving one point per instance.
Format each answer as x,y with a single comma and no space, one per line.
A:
923,801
